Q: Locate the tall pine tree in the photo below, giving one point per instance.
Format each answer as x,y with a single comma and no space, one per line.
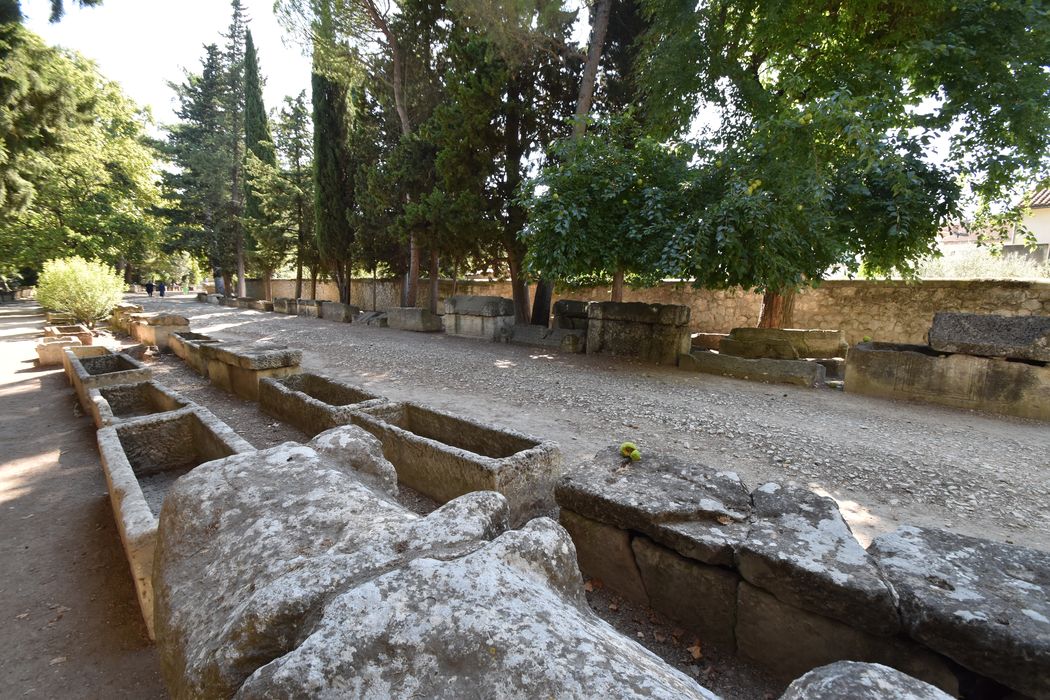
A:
234,129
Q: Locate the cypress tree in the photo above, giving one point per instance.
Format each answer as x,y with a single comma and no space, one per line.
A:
257,138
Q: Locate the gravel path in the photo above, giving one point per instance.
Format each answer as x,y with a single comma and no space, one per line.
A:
885,462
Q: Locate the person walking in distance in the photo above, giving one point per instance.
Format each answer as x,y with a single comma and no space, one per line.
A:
149,288
161,287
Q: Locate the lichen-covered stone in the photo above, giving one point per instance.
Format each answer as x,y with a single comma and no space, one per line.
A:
860,681
355,448
251,548
698,511
506,621
249,355
984,604
802,551
479,305
1019,337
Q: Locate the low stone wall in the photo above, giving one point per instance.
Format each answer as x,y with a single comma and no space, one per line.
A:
883,310
320,585
122,402
313,403
776,574
142,458
444,456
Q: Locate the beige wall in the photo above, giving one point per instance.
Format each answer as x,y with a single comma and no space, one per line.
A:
1039,223
887,311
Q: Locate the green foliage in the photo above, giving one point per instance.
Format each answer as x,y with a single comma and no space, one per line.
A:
85,289
92,186
608,201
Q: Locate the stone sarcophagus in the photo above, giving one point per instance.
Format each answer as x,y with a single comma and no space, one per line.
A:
285,305
155,329
490,318
237,367
49,351
656,333
443,456
187,346
106,369
142,458
340,313
310,308
411,318
313,403
122,402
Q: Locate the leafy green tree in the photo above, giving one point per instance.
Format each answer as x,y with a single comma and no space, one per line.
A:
87,290
295,147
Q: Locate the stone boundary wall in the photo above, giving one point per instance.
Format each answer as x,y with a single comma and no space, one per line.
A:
887,311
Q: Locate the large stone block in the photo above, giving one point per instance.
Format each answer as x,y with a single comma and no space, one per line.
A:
561,339
141,459
285,305
121,402
49,351
697,596
984,604
261,305
650,332
410,318
797,372
479,306
308,308
789,642
700,512
917,373
443,456
313,403
237,367
801,550
604,552
187,346
570,314
341,313
860,681
76,330
490,318
103,370
1017,337
156,328
71,352
784,343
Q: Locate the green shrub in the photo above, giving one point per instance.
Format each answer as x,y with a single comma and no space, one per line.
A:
87,290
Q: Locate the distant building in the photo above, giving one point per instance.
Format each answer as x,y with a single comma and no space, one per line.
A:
1038,222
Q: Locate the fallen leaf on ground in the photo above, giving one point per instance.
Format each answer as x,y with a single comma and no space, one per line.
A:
659,637
724,519
57,660
695,650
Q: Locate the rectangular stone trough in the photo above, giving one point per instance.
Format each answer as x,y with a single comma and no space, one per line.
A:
121,402
89,373
187,346
238,367
444,456
310,308
72,351
285,305
311,402
142,458
49,350
917,373
77,330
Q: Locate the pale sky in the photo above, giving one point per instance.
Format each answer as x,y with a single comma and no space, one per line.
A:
143,44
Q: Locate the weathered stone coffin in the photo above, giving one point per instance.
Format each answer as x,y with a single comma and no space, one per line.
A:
570,315
309,308
121,402
1015,337
285,305
246,302
73,351
340,313
656,333
320,585
155,329
187,346
261,305
784,343
860,681
237,367
142,458
118,317
410,318
49,351
478,316
443,456
797,372
232,302
917,373
103,370
775,574
313,403
562,339
59,318
77,330
708,341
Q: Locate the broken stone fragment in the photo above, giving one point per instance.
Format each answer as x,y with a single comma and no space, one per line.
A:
984,604
802,551
357,449
698,511
508,620
860,681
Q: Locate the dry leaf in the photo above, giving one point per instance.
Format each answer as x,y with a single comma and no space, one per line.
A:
588,586
695,650
614,607
724,519
660,638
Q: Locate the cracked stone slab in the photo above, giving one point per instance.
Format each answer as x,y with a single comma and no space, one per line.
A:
508,620
984,604
991,335
251,547
860,681
256,356
801,550
698,511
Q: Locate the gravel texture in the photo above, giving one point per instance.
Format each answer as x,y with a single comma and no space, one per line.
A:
885,462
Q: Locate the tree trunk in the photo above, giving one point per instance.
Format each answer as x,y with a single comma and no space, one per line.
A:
435,282
375,284
599,27
227,283
777,309
313,282
617,285
299,269
541,303
268,285
412,283
518,286
242,284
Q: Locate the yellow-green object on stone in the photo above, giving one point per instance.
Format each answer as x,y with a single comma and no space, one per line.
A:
635,455
627,448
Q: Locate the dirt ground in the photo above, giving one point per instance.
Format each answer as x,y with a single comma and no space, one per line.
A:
70,625
74,628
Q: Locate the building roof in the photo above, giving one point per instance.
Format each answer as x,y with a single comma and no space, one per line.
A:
1041,199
